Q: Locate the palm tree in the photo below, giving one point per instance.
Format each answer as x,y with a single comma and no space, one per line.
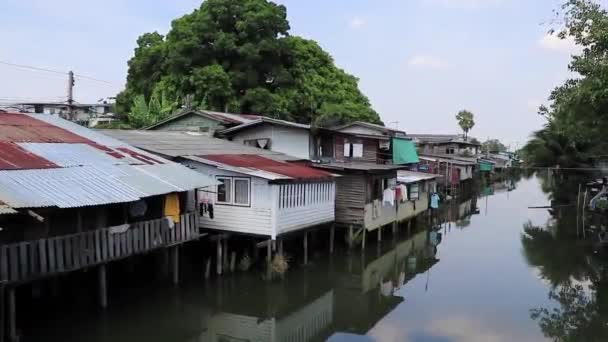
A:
466,121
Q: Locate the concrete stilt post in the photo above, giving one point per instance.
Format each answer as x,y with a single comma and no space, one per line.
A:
219,257
269,260
305,248
332,233
12,315
2,314
175,265
208,269
363,238
103,286
232,261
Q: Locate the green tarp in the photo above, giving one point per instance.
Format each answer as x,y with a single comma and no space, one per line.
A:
404,152
485,167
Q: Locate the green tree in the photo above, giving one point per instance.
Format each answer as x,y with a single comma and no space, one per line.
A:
466,121
238,55
578,112
143,114
493,145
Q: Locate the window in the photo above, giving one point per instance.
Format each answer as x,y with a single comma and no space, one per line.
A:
224,190
414,194
353,149
234,191
241,191
263,143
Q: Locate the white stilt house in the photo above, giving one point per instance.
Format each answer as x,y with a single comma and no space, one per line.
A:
262,196
262,193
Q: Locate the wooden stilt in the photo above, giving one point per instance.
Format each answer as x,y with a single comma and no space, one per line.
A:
208,268
332,233
379,234
225,252
165,263
395,228
281,247
256,251
175,266
219,257
269,260
12,315
103,287
350,236
305,248
2,314
363,238
232,261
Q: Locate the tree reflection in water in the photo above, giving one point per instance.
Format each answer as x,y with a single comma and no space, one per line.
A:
579,283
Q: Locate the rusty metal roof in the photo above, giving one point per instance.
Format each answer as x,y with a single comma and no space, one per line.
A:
265,167
49,162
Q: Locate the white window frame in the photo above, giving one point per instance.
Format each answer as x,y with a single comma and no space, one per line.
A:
227,180
248,180
414,195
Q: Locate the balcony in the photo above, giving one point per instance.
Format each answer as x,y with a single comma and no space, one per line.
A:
31,260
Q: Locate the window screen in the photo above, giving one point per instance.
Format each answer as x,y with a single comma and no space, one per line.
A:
224,190
241,191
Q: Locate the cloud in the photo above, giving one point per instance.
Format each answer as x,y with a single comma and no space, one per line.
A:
427,62
466,4
551,41
357,23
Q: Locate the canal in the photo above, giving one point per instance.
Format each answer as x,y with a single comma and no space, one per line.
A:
490,270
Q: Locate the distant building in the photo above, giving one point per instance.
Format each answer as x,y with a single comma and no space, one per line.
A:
203,121
446,144
89,115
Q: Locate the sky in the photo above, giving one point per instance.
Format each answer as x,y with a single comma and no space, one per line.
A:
419,61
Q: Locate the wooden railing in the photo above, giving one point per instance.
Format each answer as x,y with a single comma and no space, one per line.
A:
29,260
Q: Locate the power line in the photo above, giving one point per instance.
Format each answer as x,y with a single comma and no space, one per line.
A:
35,68
32,67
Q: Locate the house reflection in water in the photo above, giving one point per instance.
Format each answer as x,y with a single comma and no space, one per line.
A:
347,294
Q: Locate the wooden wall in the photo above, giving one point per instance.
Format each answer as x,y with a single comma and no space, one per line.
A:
350,199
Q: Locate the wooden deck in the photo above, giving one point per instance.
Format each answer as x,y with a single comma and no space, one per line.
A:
30,260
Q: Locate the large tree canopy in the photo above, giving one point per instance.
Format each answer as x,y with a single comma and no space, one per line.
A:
578,114
238,56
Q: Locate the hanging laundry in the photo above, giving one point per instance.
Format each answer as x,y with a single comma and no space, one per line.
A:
434,201
172,206
404,196
398,194
375,209
388,196
210,210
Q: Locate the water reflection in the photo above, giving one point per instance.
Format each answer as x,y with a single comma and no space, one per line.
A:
344,294
578,307
486,268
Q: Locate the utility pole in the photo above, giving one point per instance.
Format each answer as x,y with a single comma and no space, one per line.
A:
71,94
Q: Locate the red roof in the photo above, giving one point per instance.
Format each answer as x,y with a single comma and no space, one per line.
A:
14,157
18,128
265,164
23,128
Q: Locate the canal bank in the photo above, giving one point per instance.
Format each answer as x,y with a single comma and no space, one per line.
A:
489,279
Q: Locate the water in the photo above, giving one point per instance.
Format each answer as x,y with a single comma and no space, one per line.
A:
497,268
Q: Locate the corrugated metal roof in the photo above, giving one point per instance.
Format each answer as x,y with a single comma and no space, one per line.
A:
86,167
179,144
407,177
262,167
224,118
358,166
290,170
5,209
263,120
14,157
